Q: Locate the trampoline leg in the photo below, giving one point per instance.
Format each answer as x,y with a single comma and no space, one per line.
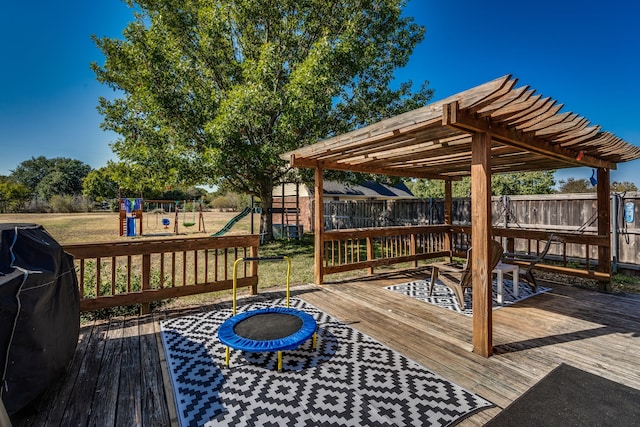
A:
279,361
315,340
227,356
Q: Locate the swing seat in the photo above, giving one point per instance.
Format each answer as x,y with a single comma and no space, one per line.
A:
188,224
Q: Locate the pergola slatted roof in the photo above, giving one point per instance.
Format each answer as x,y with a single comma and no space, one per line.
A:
528,132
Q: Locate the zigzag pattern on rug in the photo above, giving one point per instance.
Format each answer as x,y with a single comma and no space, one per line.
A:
349,380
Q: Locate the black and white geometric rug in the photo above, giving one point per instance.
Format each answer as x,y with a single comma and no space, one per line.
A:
349,380
444,297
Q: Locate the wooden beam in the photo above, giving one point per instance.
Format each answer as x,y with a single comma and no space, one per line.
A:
480,242
453,116
318,226
298,162
604,226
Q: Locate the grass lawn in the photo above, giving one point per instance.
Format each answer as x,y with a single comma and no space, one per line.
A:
95,227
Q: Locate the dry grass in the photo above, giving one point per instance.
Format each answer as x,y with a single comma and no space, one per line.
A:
104,226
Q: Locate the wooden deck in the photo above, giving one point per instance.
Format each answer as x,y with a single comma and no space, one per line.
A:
118,376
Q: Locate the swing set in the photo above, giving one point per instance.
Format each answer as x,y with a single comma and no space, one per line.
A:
181,205
161,210
132,210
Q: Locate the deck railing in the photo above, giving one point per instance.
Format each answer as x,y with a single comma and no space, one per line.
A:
138,272
355,249
574,254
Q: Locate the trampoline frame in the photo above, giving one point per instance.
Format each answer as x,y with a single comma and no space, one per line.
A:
228,337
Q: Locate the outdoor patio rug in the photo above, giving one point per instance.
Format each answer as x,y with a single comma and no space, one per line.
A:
349,380
444,297
569,396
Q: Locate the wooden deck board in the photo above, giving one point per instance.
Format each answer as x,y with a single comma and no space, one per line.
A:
155,411
106,393
80,402
119,375
130,387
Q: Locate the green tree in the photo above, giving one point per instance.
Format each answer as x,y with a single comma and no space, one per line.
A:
124,179
13,195
572,185
31,172
48,177
621,187
100,185
520,183
427,188
540,182
213,92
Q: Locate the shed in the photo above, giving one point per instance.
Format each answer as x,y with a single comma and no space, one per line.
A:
285,197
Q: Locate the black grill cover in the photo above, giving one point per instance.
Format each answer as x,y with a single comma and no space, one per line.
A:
39,312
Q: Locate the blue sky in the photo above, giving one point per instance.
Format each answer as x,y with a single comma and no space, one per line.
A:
586,55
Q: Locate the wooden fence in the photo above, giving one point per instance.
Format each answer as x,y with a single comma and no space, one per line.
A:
138,272
575,214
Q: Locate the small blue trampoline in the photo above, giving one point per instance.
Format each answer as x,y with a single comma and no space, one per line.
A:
268,329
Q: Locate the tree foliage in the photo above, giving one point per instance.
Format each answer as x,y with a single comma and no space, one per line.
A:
100,184
621,187
121,179
49,177
13,195
125,180
522,183
519,183
212,92
573,185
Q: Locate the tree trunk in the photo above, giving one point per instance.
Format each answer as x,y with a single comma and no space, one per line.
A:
266,217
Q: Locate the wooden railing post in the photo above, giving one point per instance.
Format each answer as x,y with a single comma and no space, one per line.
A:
413,250
254,269
370,253
448,208
145,308
511,246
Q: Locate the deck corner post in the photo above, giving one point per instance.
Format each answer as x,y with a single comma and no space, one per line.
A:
604,226
480,242
318,226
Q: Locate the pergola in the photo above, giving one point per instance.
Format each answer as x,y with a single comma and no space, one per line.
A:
493,128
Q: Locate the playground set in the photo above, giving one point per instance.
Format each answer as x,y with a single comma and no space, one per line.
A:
158,215
140,217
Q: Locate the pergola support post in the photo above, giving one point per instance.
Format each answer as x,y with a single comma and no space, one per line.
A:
480,242
448,208
318,226
604,226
